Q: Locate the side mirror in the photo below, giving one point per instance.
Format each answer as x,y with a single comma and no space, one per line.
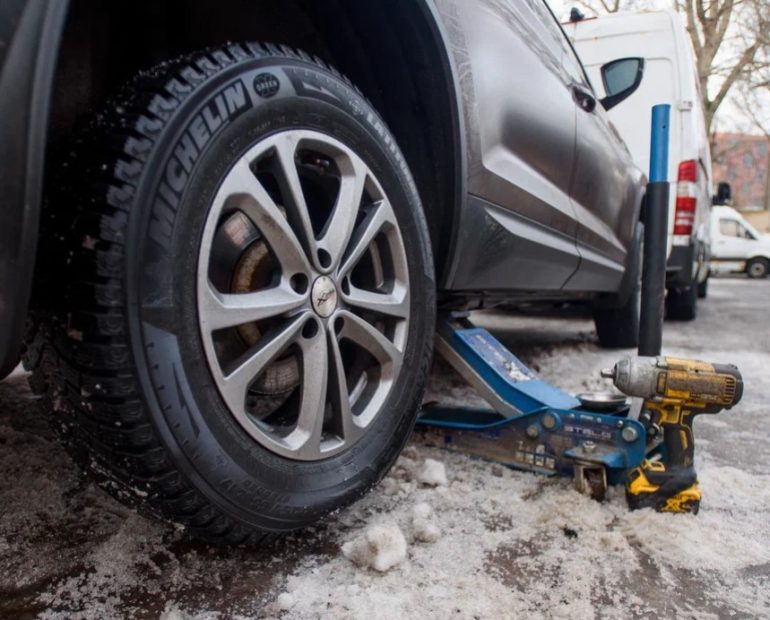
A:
621,77
724,194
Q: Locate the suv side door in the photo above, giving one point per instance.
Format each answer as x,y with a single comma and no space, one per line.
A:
604,190
518,230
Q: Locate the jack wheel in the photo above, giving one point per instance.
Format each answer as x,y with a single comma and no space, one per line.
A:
596,484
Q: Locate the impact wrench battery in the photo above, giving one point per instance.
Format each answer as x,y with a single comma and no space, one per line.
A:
674,392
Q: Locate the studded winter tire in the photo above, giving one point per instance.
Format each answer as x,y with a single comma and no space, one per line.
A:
239,329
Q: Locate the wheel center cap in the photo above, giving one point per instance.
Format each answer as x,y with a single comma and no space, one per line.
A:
324,296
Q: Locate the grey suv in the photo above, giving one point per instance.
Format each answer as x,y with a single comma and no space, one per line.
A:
222,262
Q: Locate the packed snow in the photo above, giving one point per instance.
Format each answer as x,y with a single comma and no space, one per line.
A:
443,535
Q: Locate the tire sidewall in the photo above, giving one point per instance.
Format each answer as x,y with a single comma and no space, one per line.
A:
206,443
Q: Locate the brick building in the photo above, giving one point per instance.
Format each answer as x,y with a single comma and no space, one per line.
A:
743,160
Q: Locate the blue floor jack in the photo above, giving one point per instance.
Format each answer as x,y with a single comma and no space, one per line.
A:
533,425
596,438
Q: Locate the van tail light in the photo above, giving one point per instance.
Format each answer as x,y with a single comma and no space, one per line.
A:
686,197
688,171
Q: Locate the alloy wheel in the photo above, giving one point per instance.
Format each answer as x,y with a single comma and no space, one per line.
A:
303,294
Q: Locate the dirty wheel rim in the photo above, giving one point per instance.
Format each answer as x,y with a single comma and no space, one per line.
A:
330,308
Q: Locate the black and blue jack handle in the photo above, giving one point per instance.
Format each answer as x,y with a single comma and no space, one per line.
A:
655,219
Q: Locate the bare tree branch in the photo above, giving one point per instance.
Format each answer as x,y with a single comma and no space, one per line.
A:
727,83
693,30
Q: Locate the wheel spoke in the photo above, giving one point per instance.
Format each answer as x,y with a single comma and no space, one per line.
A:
286,147
339,392
260,208
379,215
367,336
235,383
395,304
343,218
306,436
218,310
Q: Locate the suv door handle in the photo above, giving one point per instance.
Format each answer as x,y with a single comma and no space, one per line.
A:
584,98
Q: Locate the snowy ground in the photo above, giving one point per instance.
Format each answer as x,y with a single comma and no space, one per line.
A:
488,543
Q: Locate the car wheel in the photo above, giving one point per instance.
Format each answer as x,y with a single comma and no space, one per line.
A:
246,317
758,268
703,288
617,326
681,304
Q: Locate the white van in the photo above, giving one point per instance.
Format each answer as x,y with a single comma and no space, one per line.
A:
654,49
736,246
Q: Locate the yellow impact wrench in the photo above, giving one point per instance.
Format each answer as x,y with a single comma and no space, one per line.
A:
674,391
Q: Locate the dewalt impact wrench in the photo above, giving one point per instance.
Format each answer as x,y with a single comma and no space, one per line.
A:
674,392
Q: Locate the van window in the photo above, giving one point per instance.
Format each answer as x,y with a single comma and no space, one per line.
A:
733,228
729,228
621,74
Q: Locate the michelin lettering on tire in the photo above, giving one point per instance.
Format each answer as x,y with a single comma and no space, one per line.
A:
226,105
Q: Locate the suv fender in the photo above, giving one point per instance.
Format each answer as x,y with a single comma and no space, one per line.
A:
26,80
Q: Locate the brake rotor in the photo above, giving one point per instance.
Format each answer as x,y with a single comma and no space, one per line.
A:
253,270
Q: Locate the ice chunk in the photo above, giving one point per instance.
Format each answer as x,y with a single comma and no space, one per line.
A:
432,474
380,547
424,523
285,601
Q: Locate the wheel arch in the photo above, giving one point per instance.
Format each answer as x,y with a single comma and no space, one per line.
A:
764,258
399,59
31,33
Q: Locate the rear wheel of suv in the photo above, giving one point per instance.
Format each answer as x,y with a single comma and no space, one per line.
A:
617,326
703,288
681,304
245,318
